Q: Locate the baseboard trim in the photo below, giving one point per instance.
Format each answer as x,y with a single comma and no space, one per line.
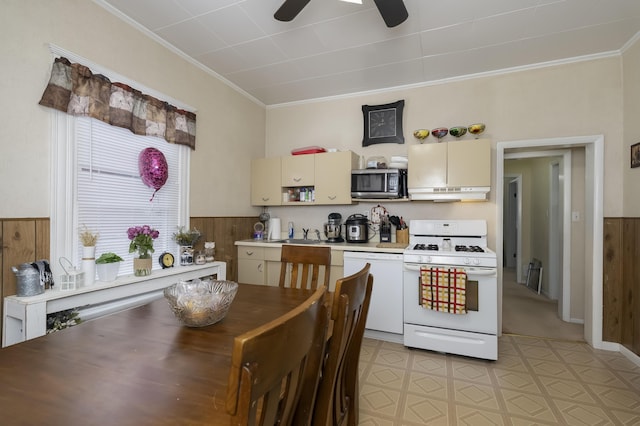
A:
633,357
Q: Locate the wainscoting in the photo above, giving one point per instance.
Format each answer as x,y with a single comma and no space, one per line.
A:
27,240
621,281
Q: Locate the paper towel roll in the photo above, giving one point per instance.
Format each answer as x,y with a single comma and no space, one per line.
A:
274,229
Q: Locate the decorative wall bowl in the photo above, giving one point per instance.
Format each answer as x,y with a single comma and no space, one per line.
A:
458,131
440,132
476,129
199,303
421,134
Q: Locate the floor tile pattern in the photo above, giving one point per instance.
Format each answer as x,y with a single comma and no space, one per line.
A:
535,381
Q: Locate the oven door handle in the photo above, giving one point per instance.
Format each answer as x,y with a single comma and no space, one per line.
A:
484,272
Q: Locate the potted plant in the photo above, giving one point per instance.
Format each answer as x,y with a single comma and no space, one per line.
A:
186,239
88,238
108,265
142,244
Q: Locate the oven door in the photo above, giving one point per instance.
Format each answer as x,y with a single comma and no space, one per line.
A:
482,302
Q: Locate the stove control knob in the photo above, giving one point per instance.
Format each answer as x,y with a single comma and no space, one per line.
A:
476,261
466,260
425,259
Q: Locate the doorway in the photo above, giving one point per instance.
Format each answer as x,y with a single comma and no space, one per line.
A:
593,217
532,309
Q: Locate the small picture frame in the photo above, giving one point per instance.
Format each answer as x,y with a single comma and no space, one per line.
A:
635,155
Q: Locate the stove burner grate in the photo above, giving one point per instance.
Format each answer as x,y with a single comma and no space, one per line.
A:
420,246
474,249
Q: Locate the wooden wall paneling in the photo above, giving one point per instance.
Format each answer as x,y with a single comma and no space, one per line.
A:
1,281
18,246
612,316
43,240
631,258
224,231
627,295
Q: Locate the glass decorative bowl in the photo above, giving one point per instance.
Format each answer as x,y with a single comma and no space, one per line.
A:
440,132
458,131
421,134
476,129
199,303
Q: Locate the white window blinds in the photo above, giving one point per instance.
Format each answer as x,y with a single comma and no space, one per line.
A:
110,196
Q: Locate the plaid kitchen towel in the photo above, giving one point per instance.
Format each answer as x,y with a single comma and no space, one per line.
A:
443,289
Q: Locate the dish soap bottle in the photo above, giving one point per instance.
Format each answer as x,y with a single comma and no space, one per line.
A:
290,230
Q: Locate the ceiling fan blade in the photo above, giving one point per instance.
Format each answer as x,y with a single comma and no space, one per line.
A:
290,9
393,12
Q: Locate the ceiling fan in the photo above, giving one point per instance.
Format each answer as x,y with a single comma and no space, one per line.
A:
393,11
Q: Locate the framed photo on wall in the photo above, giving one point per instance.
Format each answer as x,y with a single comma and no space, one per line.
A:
635,155
383,123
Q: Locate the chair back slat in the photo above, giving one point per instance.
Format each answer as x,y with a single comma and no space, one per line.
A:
337,401
301,266
269,375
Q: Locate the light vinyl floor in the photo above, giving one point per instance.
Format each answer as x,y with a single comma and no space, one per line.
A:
536,381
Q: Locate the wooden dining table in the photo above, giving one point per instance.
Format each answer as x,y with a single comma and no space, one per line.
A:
135,367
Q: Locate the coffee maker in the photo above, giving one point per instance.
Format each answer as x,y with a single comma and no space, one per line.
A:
333,228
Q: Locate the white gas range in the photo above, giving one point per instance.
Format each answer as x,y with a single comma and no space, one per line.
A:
453,248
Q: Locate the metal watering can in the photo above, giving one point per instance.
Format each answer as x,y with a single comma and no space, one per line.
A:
28,282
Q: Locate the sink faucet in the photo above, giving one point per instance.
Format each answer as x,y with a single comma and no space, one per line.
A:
317,234
305,233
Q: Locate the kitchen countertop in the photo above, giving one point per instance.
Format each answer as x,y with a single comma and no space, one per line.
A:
370,246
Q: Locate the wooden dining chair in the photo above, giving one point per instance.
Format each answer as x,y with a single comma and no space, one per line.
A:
337,401
304,265
275,368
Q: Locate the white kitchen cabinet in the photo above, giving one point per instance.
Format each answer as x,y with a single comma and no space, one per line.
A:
259,265
333,177
266,182
427,166
457,169
298,170
326,175
272,259
469,163
251,265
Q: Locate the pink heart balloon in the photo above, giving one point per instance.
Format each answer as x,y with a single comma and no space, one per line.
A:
154,170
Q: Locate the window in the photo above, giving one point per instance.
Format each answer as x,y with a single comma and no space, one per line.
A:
97,183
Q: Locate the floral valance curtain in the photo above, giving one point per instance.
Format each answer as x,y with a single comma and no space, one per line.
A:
74,89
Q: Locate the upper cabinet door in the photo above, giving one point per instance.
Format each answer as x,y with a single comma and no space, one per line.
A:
265,182
469,163
333,177
427,166
298,170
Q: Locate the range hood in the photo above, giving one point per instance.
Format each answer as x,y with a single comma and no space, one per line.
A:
450,194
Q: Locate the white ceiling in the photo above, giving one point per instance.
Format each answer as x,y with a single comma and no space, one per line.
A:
334,48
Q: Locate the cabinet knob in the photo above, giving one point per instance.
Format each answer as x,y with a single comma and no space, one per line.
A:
332,197
249,253
297,179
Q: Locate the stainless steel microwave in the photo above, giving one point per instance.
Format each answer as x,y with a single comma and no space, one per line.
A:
379,183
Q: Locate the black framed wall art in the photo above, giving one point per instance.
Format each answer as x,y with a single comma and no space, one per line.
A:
383,123
635,155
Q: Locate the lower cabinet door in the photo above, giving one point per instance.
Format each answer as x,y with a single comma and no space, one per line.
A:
251,271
